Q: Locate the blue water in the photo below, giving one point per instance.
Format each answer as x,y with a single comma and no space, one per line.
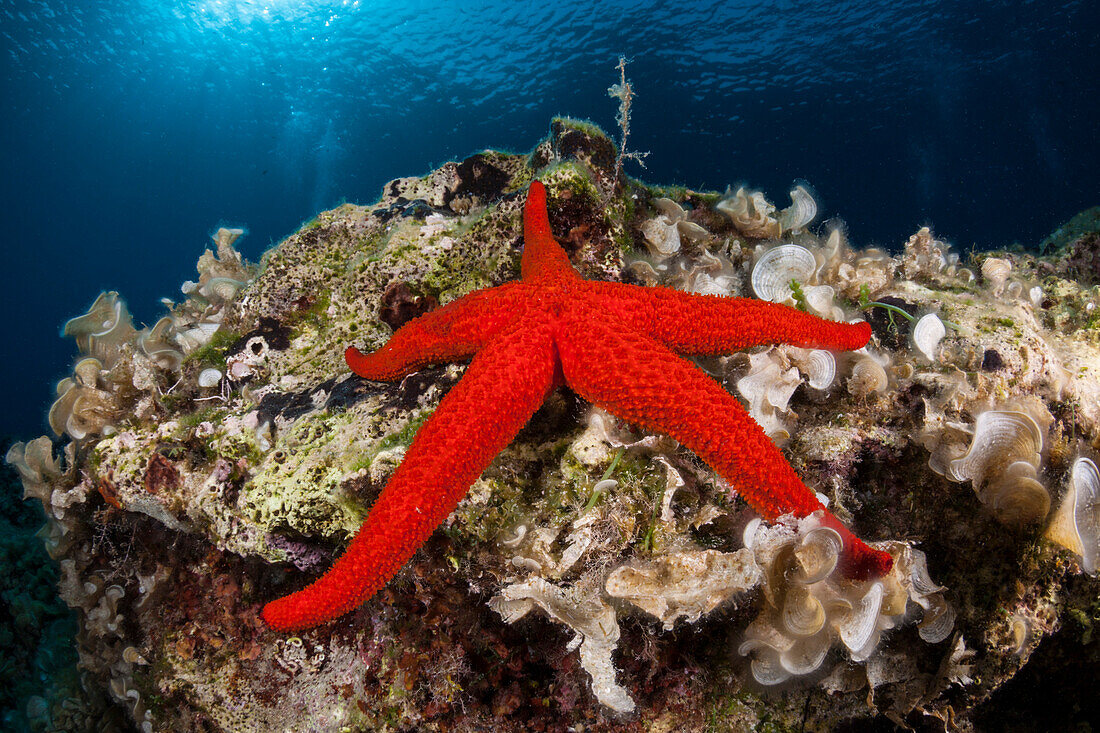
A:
130,130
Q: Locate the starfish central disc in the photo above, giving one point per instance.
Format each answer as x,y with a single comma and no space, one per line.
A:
619,346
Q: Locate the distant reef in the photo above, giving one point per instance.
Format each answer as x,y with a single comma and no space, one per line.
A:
595,577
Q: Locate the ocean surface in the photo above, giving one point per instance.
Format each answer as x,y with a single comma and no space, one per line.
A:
131,129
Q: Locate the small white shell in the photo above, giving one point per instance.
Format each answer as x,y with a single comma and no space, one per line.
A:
818,554
704,284
867,376
904,371
1036,296
606,485
748,535
691,231
820,300
801,212
773,272
858,627
819,366
1018,498
996,271
238,370
805,655
520,531
526,563
927,333
209,377
264,437
221,289
197,336
803,615
751,213
669,208
1076,526
226,237
662,237
1001,437
1021,633
938,620
86,372
766,668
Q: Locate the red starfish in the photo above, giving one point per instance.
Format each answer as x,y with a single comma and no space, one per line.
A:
615,345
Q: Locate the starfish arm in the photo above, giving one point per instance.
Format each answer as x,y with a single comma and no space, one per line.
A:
501,389
668,394
689,323
543,258
454,332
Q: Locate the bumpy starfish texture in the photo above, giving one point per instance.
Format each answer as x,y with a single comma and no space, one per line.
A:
618,346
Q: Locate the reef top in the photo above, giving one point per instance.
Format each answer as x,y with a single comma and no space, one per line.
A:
224,456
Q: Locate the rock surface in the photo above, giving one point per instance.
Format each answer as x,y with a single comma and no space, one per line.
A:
177,522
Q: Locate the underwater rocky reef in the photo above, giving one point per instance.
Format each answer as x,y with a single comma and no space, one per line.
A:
595,577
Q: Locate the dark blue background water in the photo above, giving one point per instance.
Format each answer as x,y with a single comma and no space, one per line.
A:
129,130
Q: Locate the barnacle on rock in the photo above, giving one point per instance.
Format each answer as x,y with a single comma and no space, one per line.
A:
1076,524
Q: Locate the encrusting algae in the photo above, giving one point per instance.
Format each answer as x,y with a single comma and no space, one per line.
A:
594,575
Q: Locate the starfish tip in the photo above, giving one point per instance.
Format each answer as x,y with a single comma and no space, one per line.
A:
864,563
